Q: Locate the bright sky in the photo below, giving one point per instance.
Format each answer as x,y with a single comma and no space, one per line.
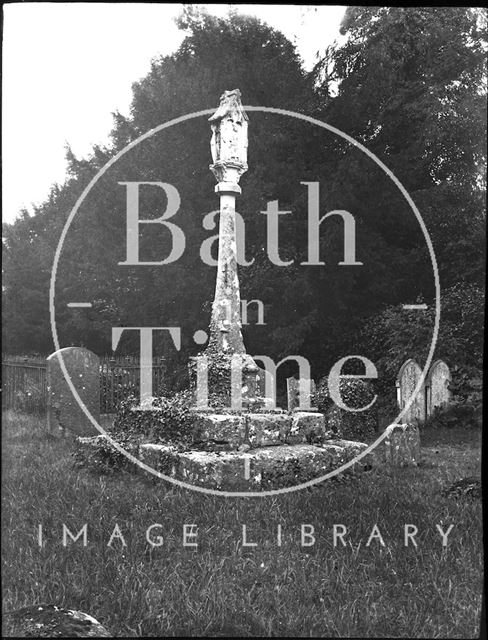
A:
68,66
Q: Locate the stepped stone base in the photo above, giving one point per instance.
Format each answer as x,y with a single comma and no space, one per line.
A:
257,469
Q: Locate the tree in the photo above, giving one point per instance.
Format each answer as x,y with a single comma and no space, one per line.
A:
217,54
412,88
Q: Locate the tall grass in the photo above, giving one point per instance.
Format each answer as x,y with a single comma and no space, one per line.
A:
224,588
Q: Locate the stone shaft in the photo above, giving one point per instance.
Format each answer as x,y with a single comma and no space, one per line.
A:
225,324
229,154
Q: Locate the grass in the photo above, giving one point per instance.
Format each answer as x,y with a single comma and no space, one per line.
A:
223,588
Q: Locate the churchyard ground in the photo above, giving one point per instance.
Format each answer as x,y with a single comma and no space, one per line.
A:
224,588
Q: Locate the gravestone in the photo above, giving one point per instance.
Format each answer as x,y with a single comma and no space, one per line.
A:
402,445
63,411
407,380
293,391
437,383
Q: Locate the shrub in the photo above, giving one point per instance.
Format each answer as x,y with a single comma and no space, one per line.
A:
170,422
394,334
454,415
103,457
466,385
355,393
465,408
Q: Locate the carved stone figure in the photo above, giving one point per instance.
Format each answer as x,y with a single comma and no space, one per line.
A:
229,138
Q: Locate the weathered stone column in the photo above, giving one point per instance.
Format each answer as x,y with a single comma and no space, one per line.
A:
229,154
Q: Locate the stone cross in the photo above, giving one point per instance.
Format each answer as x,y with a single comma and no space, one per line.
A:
229,154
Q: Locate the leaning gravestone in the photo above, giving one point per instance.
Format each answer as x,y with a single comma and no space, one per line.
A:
407,380
63,411
402,445
438,380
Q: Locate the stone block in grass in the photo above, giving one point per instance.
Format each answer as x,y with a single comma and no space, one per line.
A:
401,447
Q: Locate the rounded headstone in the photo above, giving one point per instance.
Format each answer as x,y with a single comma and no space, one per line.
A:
63,409
407,380
438,380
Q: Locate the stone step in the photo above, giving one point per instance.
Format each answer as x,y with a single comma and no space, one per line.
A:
261,429
257,469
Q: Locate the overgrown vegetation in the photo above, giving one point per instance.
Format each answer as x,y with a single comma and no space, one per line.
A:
170,422
223,588
466,405
359,424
